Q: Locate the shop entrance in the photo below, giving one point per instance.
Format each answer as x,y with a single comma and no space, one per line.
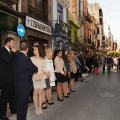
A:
40,40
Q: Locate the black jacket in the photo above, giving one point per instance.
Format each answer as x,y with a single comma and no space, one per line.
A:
6,59
23,68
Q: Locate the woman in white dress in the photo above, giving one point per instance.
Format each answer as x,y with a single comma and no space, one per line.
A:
49,74
38,79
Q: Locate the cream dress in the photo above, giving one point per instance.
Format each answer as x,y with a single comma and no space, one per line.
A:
49,67
40,63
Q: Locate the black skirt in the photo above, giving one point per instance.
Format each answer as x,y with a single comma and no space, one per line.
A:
73,75
66,78
60,77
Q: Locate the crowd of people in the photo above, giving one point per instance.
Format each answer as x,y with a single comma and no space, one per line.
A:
33,72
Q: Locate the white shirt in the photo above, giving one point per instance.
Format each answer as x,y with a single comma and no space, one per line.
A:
7,49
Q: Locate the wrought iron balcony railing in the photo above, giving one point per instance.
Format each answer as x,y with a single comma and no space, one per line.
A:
76,40
89,41
100,14
82,14
37,14
86,40
62,28
93,44
9,2
81,40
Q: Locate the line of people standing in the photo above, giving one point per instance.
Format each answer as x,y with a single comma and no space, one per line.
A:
22,76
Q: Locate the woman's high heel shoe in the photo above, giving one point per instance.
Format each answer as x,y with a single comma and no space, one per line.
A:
72,90
67,96
69,93
60,99
40,111
44,106
50,102
37,111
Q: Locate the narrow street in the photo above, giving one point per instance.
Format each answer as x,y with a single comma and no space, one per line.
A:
96,98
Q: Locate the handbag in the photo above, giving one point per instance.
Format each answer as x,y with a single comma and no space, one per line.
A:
47,81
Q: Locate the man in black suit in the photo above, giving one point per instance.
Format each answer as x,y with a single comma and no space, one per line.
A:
7,54
23,69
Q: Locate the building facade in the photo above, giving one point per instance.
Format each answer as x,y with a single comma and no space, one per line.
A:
96,11
9,19
35,15
61,32
37,20
74,24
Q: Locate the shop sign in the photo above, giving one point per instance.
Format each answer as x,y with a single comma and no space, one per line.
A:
37,25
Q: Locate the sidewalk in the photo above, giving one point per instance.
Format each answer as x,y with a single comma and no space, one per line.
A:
31,105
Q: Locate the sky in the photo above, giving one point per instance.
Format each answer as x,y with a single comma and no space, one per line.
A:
111,14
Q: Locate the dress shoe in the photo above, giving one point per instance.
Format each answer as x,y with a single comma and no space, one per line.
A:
50,102
60,99
67,96
4,118
13,117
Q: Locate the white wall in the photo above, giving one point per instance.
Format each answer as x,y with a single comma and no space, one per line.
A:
54,11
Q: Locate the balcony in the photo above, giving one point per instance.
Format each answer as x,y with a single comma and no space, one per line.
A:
81,40
93,45
103,37
9,2
100,13
37,14
76,40
89,41
86,40
88,19
101,21
93,32
65,2
82,16
61,29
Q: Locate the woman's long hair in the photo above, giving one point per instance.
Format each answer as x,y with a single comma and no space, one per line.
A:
39,50
48,53
63,53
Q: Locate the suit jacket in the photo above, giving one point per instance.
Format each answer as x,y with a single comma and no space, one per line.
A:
6,59
23,68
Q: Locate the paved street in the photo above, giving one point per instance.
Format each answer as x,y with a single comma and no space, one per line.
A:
97,98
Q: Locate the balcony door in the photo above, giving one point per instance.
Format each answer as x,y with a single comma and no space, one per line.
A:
59,16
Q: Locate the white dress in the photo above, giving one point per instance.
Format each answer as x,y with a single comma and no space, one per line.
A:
40,63
49,67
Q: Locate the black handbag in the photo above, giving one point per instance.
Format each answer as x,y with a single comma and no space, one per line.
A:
47,81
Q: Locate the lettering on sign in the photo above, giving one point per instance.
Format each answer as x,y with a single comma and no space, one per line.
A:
37,25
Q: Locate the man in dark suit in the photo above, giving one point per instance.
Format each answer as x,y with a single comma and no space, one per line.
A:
7,54
23,69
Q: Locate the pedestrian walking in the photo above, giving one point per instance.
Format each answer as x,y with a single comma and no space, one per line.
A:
23,68
7,54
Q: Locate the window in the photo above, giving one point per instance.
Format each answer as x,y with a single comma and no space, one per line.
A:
59,12
59,15
39,5
98,32
79,8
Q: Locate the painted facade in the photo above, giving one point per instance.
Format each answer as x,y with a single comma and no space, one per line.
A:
61,32
74,24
